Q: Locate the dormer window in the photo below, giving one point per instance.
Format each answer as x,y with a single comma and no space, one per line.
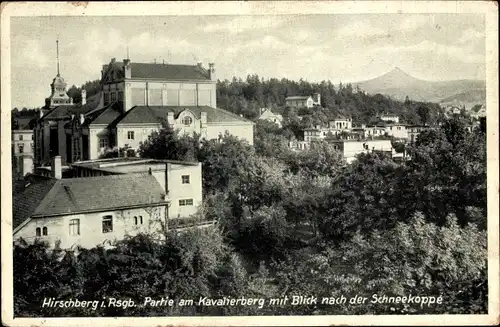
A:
187,121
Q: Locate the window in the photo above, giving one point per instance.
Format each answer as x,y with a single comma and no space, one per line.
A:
140,218
130,135
21,148
185,179
120,95
135,220
38,231
74,227
106,99
103,143
113,96
44,231
20,137
187,121
33,137
185,202
107,224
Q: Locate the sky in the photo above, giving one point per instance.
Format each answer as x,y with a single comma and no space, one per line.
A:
335,47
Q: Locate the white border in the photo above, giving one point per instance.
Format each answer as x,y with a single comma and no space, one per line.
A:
489,8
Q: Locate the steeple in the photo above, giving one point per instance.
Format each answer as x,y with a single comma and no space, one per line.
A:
58,94
57,49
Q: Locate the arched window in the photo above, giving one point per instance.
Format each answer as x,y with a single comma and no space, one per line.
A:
44,231
135,220
140,217
187,121
38,231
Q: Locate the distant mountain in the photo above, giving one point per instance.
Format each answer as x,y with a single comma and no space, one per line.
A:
470,97
399,84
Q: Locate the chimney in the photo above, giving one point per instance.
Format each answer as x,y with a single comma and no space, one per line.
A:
203,118
211,71
84,97
56,167
127,69
27,165
170,118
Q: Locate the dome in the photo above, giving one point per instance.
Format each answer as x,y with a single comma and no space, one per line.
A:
58,80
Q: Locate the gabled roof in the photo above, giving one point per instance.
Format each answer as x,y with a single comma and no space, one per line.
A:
105,116
165,71
52,197
154,114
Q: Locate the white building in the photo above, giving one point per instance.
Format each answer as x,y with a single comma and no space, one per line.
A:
303,101
267,114
351,148
390,118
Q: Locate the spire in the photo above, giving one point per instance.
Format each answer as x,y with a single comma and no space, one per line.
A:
128,56
57,48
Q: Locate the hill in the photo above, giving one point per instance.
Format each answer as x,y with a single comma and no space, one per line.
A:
398,84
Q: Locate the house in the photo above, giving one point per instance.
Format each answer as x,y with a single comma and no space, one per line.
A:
101,208
396,130
389,118
415,130
180,180
303,101
479,113
267,114
351,148
22,151
341,123
135,100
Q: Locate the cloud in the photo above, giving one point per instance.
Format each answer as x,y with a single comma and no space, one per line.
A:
359,28
414,22
32,52
244,23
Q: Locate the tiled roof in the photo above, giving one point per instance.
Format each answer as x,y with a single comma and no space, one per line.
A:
298,97
166,71
105,116
153,114
65,196
25,200
65,111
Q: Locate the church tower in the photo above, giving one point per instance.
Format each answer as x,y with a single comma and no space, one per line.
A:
58,94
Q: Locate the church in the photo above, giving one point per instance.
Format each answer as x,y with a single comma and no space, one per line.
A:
135,100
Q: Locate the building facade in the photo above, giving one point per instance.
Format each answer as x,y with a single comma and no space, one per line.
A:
303,101
22,151
351,148
106,201
135,100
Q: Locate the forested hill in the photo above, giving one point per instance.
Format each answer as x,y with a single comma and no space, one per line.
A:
247,96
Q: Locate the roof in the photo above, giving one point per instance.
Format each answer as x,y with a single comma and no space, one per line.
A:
154,114
129,164
25,200
104,116
298,97
65,111
76,195
166,71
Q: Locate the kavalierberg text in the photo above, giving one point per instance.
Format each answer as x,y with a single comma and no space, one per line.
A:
293,300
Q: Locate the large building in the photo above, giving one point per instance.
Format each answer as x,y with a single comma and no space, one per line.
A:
107,200
135,100
351,148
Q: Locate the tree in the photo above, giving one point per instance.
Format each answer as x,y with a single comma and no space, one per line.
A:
424,114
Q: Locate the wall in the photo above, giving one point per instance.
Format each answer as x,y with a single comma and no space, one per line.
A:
27,141
190,93
95,133
91,227
351,149
241,130
141,134
398,131
179,191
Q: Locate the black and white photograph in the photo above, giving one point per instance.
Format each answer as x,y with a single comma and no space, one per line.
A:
249,163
